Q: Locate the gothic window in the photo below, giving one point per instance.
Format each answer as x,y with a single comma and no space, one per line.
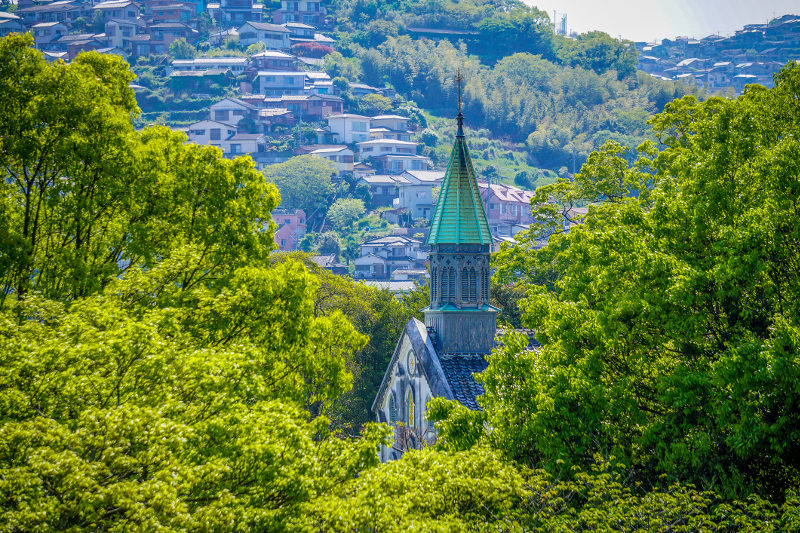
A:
411,362
485,285
451,283
445,286
473,285
410,407
464,285
392,409
434,283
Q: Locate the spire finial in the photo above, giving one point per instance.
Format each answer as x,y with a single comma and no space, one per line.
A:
459,117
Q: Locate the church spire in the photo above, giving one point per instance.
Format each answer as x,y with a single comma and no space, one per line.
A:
460,217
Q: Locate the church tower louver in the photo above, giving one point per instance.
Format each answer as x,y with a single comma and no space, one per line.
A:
460,243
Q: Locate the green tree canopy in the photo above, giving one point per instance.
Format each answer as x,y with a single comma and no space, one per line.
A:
180,49
669,323
303,181
159,373
344,212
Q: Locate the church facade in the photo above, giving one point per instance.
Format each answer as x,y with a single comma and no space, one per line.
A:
438,357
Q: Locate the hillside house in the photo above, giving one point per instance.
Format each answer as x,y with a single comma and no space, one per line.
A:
506,207
291,228
119,32
210,132
398,163
342,156
232,111
349,128
45,33
157,11
10,23
274,36
415,192
236,12
382,189
64,11
272,60
381,256
279,82
307,107
237,65
310,12
118,10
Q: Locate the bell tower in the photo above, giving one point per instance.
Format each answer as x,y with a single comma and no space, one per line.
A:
460,243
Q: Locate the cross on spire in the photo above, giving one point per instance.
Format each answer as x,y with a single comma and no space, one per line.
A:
459,117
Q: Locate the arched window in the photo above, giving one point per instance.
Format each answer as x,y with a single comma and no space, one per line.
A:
392,409
473,285
464,285
445,286
410,406
434,283
485,285
451,283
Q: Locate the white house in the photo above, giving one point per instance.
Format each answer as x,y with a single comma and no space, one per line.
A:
210,132
243,144
279,83
379,147
274,36
237,65
398,163
341,155
391,122
232,111
46,32
349,128
415,192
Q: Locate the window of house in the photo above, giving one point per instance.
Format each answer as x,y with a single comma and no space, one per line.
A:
503,208
236,148
367,149
492,206
283,242
392,409
215,134
220,115
359,126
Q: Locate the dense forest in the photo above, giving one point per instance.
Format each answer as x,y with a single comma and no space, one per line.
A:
162,371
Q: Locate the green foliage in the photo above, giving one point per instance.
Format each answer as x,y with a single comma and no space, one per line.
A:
670,333
563,112
599,52
344,212
158,372
479,490
180,49
255,48
80,208
303,181
375,104
329,243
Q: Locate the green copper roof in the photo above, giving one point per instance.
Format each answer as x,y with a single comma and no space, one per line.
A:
460,217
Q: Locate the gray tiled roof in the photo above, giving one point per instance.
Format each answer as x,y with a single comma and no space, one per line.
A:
459,370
